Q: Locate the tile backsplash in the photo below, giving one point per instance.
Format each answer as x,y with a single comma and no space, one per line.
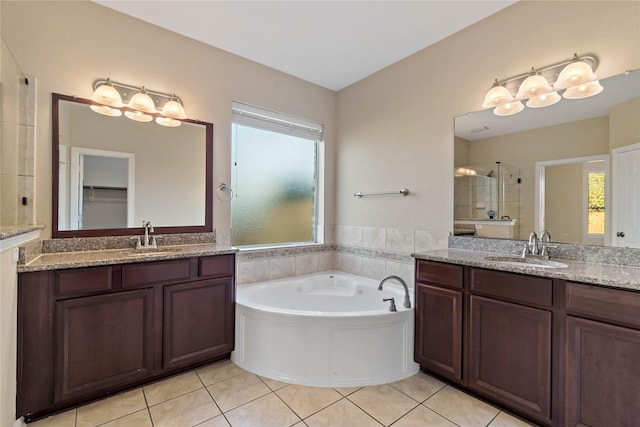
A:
371,252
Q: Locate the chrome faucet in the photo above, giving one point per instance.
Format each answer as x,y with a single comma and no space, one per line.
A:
407,300
545,236
537,247
392,306
149,241
533,243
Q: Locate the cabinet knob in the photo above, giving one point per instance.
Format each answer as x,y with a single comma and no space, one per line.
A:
620,234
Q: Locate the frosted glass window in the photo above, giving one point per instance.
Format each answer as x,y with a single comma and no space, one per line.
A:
274,179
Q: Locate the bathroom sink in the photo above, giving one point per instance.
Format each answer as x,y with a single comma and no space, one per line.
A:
529,262
143,253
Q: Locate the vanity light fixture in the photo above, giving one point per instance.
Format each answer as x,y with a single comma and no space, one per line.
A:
173,112
110,99
141,106
575,76
138,103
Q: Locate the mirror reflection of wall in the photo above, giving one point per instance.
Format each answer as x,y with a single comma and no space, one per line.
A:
169,163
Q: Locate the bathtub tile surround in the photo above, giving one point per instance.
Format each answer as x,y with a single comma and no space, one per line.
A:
374,237
400,240
252,271
373,268
282,267
416,401
307,264
351,236
371,252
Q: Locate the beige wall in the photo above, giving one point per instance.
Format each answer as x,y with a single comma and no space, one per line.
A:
624,124
68,45
396,127
460,152
563,202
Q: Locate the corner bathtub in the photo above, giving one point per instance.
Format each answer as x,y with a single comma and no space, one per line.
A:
327,329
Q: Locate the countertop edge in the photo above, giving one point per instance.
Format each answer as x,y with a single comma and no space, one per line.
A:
65,260
609,275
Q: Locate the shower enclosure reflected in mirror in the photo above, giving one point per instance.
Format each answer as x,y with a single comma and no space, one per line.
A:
487,200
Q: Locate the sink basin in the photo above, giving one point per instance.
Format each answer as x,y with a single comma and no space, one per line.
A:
529,262
142,253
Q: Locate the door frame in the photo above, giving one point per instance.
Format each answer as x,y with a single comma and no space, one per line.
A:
539,216
77,178
615,189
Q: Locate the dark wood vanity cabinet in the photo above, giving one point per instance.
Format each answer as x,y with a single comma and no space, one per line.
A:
602,376
510,330
87,332
102,341
556,352
197,322
438,327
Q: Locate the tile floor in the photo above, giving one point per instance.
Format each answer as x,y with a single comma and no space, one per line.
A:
223,394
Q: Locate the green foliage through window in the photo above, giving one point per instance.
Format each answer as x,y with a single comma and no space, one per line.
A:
596,202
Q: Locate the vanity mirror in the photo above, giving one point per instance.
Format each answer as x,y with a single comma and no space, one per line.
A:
110,173
572,131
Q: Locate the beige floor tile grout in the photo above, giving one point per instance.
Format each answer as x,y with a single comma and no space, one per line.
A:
436,412
420,402
302,420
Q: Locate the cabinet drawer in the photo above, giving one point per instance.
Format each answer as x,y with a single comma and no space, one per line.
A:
216,266
440,273
82,280
149,273
614,305
513,287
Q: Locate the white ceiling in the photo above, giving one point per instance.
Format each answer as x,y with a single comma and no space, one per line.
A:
330,43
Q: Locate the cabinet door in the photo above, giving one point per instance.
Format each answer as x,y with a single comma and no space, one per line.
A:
438,344
102,342
602,374
510,355
198,321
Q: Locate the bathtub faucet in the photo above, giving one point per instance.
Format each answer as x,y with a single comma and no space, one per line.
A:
407,300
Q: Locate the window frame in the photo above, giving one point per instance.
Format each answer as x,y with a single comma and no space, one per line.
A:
273,121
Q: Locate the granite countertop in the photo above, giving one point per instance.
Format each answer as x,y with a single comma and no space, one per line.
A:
9,231
61,260
618,276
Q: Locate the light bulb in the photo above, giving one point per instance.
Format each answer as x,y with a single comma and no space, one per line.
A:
508,109
142,102
533,86
168,122
106,111
583,90
543,100
576,73
174,110
497,95
107,95
138,116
